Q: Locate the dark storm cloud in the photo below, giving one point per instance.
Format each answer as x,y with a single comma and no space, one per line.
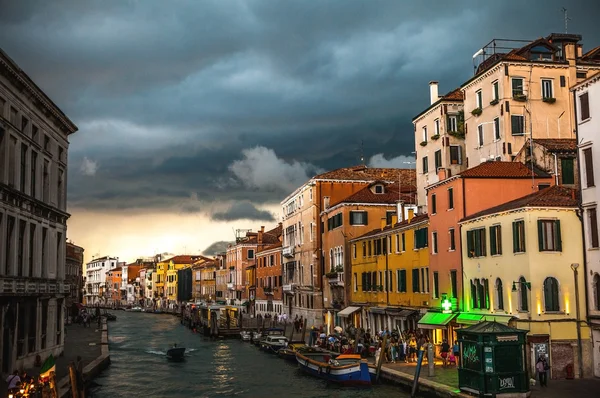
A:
170,95
243,211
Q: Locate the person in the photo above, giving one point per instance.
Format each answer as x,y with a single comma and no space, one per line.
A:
542,368
98,316
456,350
13,381
412,344
444,352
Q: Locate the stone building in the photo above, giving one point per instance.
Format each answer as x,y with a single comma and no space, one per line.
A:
74,273
33,219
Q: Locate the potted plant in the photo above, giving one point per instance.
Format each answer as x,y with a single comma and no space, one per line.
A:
520,97
435,137
339,268
476,112
549,100
494,102
423,143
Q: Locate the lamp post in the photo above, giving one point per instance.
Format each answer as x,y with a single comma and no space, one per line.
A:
574,267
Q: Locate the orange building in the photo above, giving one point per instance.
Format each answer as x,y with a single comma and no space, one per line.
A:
197,268
349,218
452,199
113,285
269,289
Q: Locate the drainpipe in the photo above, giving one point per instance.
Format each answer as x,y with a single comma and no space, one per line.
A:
462,268
579,347
555,169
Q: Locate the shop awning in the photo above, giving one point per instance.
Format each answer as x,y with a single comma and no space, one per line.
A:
466,318
435,320
503,319
377,310
348,311
400,313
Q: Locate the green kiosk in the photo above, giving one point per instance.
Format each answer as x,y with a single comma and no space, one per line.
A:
493,361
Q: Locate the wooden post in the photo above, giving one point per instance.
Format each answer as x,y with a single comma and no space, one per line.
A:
304,331
73,378
53,384
381,356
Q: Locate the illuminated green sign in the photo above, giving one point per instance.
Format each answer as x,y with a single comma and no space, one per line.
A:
447,306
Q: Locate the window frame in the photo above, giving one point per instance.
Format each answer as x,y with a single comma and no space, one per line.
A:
479,99
434,242
553,243
544,81
592,221
551,294
450,198
458,157
425,165
588,160
520,244
584,107
512,125
452,239
512,86
496,124
433,203
495,91
436,128
496,240
480,136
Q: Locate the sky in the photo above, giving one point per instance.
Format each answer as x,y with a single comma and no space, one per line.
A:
197,118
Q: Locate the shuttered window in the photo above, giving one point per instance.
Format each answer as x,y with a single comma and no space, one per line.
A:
476,245
433,204
436,285
415,280
589,167
584,106
567,171
402,280
519,236
551,295
454,283
549,238
421,239
495,240
593,218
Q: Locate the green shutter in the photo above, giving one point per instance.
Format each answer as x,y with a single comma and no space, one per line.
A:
470,243
558,236
493,249
477,243
483,242
426,236
515,237
448,123
540,235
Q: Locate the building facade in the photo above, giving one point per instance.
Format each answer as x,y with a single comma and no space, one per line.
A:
269,279
114,292
587,114
173,265
96,291
74,273
523,265
33,219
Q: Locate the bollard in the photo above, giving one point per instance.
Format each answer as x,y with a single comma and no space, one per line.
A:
430,360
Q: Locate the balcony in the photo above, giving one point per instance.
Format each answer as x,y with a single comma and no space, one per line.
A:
335,278
289,288
32,287
268,290
230,286
288,251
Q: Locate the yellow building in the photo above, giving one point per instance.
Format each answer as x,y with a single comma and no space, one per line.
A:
173,265
522,265
158,280
390,275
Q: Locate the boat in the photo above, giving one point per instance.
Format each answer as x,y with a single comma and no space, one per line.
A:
345,369
176,353
258,338
246,335
136,309
289,353
273,344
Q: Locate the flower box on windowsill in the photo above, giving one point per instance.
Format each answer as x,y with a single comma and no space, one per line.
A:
494,102
435,137
549,100
520,97
457,134
476,112
423,143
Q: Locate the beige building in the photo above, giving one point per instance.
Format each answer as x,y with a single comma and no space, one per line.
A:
522,94
439,140
33,220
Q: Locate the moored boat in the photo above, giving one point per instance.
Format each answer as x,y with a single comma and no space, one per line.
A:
246,335
273,344
345,369
289,353
258,338
136,309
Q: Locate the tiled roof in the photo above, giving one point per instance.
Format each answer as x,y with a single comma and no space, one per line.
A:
555,196
558,144
454,95
416,219
270,247
390,196
114,270
592,55
364,173
182,259
272,236
501,170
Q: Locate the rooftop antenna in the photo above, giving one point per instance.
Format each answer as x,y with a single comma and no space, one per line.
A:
567,19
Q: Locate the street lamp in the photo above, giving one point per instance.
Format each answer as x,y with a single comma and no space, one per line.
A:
574,267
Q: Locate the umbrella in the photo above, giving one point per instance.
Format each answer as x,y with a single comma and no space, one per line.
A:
338,329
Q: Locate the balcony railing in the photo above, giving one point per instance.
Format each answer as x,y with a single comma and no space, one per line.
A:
32,287
288,251
335,278
268,290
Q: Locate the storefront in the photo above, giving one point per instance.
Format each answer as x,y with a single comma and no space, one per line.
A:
349,316
439,326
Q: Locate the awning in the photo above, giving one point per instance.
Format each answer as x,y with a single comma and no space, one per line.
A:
503,319
377,310
466,318
399,313
347,311
435,320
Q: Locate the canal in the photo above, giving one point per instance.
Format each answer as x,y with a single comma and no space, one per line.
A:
225,368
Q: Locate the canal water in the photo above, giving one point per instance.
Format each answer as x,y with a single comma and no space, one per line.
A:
225,368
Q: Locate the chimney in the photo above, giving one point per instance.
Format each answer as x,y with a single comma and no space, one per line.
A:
383,223
400,210
260,235
433,91
411,214
394,220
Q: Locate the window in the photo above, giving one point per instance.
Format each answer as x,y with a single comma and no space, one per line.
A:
415,280
567,171
495,93
517,124
452,124
401,273
455,154
452,241
549,235
495,240
517,86
355,282
403,242
388,217
425,165
14,117
593,227
364,249
32,179
433,204
479,99
584,106
397,243
310,195
425,134
437,126
358,218
250,253
519,236
436,283
312,231
454,283
421,240
23,167
480,135
450,198
547,89
499,295
497,129
597,291
438,159
378,189
335,221
476,243
551,295
354,250
434,243
589,167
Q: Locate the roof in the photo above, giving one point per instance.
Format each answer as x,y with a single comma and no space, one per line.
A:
182,259
272,236
115,269
490,327
558,144
592,55
501,170
277,245
454,95
364,173
366,195
555,196
415,220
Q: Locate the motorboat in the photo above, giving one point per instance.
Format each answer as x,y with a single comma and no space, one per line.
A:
136,309
345,369
257,340
289,353
273,344
176,353
246,335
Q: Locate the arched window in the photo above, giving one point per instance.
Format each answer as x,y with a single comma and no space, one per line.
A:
523,302
331,257
597,291
551,294
499,294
